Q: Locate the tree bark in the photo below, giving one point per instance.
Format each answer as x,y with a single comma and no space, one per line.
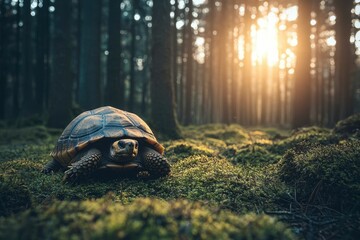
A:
132,57
247,76
115,91
3,62
162,99
301,110
89,82
42,52
189,68
343,60
28,103
61,86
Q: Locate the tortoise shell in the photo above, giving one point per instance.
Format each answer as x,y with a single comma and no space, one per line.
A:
100,123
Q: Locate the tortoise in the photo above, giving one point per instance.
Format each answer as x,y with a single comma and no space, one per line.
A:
107,138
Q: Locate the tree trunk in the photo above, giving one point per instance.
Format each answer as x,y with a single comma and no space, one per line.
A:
211,93
16,84
89,82
3,61
132,57
28,104
175,50
42,34
189,68
115,91
343,60
301,110
247,76
224,56
61,86
162,99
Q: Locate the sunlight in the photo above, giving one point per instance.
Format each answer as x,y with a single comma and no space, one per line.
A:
265,37
265,40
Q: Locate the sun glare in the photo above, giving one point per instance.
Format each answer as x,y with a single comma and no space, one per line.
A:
265,38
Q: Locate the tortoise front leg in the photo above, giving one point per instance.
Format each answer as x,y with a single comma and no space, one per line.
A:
87,163
155,164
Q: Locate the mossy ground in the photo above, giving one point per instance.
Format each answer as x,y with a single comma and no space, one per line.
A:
227,182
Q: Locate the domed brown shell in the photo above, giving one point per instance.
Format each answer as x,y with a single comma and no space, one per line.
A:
103,122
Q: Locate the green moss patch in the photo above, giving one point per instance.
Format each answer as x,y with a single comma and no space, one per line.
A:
229,134
303,136
348,126
326,174
28,135
254,154
143,219
14,196
185,148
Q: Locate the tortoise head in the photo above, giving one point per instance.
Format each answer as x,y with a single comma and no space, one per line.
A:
124,150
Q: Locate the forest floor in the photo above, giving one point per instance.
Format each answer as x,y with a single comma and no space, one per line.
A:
227,182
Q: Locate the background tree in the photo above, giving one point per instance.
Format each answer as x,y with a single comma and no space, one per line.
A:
89,79
162,99
343,60
61,86
115,84
189,66
302,94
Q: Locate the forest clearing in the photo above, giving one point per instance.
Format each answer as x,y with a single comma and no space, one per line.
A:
229,119
226,182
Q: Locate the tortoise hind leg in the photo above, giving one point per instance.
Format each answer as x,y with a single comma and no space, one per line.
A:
52,166
86,164
156,164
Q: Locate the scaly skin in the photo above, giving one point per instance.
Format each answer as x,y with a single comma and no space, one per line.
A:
156,164
87,164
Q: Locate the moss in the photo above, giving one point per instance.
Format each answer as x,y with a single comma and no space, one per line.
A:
348,126
303,136
229,134
28,135
218,165
14,196
185,148
327,174
143,219
253,154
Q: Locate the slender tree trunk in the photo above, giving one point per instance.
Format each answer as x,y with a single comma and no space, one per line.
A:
343,60
264,89
189,68
42,33
224,73
132,57
301,113
61,86
234,64
181,100
3,61
17,77
89,85
175,51
211,93
247,76
146,77
28,103
162,99
115,84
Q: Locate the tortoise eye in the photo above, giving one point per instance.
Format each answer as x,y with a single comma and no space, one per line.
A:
121,144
